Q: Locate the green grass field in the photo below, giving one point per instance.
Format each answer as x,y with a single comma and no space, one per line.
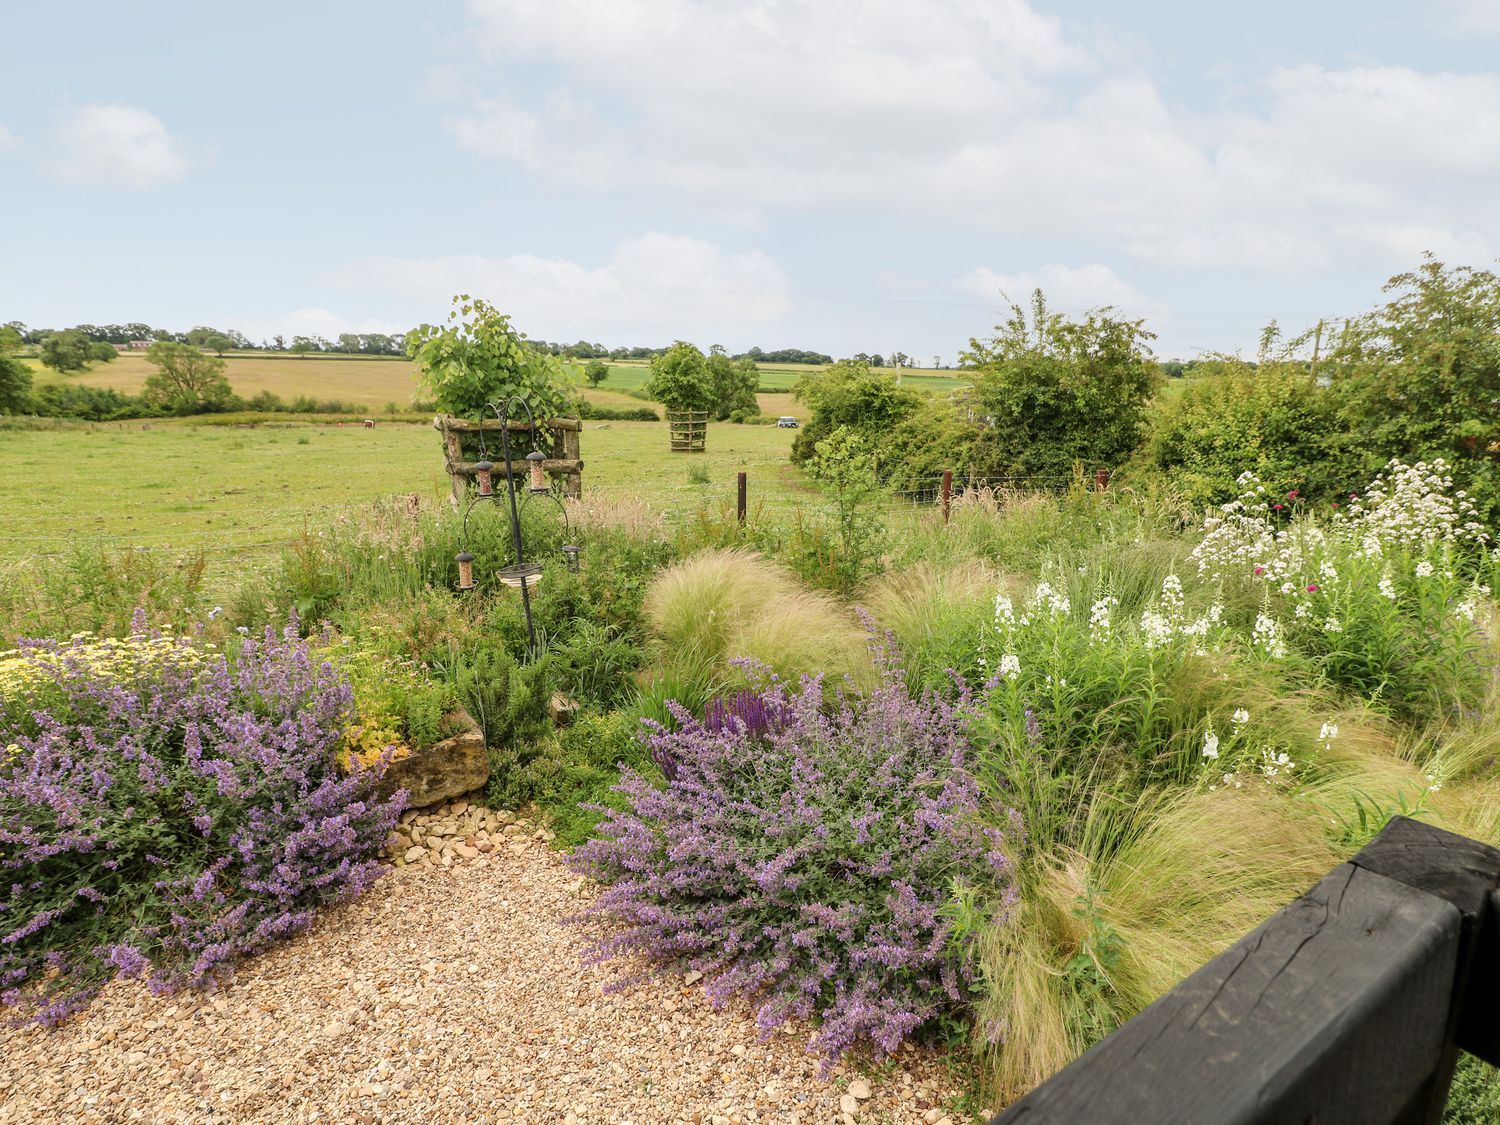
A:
239,493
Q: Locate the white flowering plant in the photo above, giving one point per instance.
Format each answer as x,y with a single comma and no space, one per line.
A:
1386,594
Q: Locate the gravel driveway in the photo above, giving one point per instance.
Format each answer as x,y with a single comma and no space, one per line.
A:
445,995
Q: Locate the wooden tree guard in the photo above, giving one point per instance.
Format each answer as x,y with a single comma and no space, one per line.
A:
688,430
461,451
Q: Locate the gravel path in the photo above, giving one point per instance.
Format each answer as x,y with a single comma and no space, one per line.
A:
446,995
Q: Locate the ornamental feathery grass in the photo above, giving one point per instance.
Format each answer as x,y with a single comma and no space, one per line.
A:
809,858
698,603
938,615
165,809
1156,888
719,605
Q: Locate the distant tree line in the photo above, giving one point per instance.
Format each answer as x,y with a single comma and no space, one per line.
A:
585,350
221,340
217,340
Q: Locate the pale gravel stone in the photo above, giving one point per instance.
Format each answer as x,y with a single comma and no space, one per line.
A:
442,995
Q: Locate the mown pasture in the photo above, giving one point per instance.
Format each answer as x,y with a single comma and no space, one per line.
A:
238,493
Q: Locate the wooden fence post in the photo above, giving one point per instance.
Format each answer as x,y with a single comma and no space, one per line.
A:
739,508
947,494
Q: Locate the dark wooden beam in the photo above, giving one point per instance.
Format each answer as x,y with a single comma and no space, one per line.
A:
1348,1005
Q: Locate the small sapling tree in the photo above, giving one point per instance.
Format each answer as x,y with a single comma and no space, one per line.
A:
478,357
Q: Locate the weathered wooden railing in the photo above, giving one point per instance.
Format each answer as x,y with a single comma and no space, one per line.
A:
1349,1005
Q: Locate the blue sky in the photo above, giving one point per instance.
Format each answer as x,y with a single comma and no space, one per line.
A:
844,175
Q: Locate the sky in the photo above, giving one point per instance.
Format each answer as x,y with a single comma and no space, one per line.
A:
838,175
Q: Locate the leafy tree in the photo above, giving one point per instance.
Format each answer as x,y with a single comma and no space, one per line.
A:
1419,378
1055,391
186,381
10,339
680,380
15,384
478,357
850,394
280,342
301,345
103,353
735,382
595,371
218,343
65,351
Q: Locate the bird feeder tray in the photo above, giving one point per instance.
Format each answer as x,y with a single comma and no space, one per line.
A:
527,574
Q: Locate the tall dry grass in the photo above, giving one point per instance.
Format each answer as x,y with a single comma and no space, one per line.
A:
720,605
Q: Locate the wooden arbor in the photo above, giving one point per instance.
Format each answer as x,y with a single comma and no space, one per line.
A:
688,430
461,451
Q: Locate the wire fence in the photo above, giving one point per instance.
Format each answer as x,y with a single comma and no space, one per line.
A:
767,497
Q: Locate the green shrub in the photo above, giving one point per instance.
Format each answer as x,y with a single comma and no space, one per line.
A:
1474,1097
850,394
595,663
579,767
1055,392
593,412
1416,378
396,703
510,701
844,467
1274,420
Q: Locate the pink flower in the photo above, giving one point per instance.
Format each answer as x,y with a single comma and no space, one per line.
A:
1335,503
1312,588
1292,495
1260,570
1278,507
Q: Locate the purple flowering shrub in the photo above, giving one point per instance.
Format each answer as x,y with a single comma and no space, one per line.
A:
806,856
165,809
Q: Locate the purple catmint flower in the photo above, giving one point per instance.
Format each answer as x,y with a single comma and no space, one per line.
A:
804,854
195,793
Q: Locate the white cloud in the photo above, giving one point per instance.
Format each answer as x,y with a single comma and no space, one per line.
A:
654,287
9,142
118,145
1068,289
987,113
